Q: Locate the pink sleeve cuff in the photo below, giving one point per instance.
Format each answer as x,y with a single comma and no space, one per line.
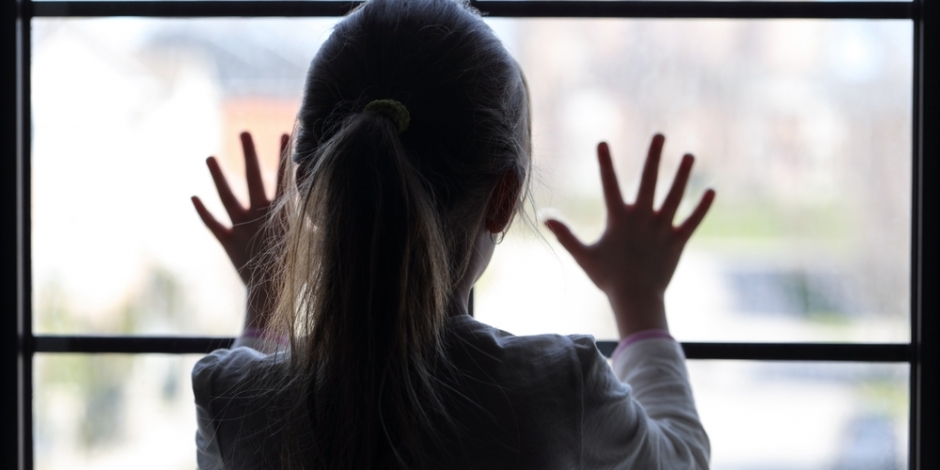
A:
653,333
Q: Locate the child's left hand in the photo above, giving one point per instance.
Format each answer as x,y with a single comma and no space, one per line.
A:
635,258
247,238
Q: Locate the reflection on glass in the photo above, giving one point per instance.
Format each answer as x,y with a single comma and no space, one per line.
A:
780,415
113,411
802,126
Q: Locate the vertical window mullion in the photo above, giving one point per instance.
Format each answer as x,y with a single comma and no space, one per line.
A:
925,409
24,225
912,441
9,231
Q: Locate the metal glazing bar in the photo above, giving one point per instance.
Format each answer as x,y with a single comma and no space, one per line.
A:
925,326
913,446
131,344
517,9
789,351
11,353
698,9
741,351
23,224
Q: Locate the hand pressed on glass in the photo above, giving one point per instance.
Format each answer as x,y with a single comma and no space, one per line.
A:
635,258
249,236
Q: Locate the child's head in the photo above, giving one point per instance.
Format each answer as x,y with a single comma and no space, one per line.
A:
389,221
465,95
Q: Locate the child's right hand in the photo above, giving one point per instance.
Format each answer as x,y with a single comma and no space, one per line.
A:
635,258
249,236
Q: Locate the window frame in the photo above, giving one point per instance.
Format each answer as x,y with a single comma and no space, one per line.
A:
19,344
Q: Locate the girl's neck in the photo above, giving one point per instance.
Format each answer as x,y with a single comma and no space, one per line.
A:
482,253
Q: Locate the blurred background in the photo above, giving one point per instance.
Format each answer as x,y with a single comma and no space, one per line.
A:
802,126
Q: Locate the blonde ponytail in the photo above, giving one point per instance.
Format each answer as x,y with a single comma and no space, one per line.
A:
365,233
380,225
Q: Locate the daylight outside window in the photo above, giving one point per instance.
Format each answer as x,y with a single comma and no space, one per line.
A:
808,241
802,125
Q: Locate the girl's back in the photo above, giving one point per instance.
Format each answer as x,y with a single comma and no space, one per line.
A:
411,157
520,402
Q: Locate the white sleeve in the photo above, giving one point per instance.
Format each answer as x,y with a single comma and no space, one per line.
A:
208,455
644,416
229,403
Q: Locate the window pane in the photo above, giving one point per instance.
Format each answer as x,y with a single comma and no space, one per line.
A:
130,411
113,411
803,127
125,113
780,415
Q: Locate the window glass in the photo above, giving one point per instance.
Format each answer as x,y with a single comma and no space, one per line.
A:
798,415
115,411
125,113
802,126
136,411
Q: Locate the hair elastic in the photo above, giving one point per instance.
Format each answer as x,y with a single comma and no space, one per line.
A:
393,109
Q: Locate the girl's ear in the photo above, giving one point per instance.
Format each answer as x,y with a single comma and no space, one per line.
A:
502,204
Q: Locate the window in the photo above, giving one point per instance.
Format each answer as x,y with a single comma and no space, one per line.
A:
806,296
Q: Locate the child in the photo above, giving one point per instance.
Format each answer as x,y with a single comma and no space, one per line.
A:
411,156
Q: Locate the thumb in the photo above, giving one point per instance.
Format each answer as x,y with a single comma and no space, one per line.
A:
567,239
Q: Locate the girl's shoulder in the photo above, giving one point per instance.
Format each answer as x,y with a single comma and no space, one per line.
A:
223,371
242,405
530,389
543,355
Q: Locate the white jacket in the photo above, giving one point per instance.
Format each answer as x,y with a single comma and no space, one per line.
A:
545,402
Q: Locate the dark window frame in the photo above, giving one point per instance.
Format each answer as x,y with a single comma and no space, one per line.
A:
19,344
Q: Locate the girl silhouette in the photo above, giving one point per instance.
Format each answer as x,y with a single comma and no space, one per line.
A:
410,158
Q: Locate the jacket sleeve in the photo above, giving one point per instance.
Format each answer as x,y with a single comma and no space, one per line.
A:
641,413
208,454
231,404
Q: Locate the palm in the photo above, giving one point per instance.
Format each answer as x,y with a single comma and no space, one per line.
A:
248,237
639,250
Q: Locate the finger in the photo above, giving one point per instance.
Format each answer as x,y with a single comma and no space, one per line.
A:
612,196
644,198
568,240
256,195
690,224
281,166
220,231
671,204
229,201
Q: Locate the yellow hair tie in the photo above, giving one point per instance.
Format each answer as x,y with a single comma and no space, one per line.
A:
393,109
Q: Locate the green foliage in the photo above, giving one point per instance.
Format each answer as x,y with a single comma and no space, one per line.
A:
99,382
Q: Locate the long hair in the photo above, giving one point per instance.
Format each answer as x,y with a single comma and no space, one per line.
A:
380,225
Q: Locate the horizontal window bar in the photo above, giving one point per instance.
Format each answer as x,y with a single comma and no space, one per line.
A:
698,9
130,344
790,351
516,9
741,351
